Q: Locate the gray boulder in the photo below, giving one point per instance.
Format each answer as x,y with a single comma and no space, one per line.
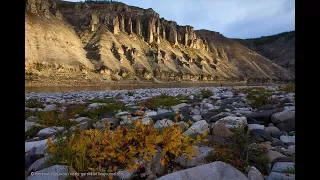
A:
232,121
39,164
282,117
49,131
261,135
288,125
214,171
276,175
282,167
197,127
254,174
264,116
220,116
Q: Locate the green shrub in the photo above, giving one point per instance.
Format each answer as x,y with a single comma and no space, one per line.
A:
34,103
259,96
163,101
31,113
111,108
240,152
288,88
55,118
130,93
183,98
240,139
289,170
257,156
205,93
33,131
228,155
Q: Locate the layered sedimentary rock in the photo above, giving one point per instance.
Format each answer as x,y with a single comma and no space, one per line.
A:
123,41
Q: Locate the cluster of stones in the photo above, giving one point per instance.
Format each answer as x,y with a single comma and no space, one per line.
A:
270,125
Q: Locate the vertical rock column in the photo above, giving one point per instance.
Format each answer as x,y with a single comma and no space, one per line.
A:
115,24
138,27
129,25
186,36
150,30
157,27
172,29
122,27
94,22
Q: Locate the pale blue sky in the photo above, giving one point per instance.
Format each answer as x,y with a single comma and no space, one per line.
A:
232,18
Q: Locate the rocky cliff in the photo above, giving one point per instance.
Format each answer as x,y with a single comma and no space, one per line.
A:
113,41
278,48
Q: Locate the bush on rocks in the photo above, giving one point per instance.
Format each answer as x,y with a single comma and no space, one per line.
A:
288,88
257,156
33,131
240,152
34,103
227,155
205,93
162,101
55,118
106,150
260,97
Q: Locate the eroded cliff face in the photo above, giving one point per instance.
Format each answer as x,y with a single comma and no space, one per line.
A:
125,42
278,48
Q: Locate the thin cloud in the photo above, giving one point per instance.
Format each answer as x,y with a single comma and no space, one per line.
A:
232,18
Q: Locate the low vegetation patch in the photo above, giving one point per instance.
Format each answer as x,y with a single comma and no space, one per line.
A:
227,155
258,96
111,108
162,101
130,93
183,98
34,103
33,131
289,170
55,118
240,152
108,151
288,88
205,93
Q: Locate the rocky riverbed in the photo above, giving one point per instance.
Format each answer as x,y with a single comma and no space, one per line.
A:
267,113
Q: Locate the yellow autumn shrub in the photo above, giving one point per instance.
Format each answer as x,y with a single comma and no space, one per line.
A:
107,151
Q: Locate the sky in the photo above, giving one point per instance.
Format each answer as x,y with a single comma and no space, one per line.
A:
232,18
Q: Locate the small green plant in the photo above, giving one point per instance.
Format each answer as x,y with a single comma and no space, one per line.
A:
163,101
28,114
257,156
259,96
34,103
288,88
205,93
228,155
183,98
240,139
33,131
240,152
111,108
72,110
130,93
289,170
55,118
